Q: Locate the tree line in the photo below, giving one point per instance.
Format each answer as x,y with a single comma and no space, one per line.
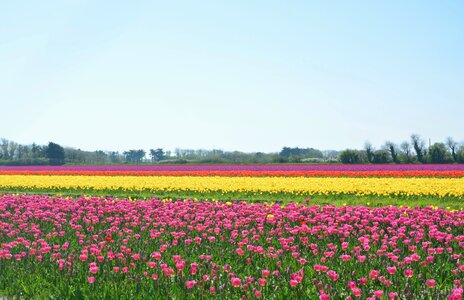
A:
415,150
12,153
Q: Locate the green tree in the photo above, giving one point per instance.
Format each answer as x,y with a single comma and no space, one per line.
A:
134,156
350,156
452,145
419,146
392,149
157,154
438,153
380,157
405,155
460,155
369,151
55,154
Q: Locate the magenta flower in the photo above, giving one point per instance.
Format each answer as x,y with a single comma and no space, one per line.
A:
236,282
190,284
430,283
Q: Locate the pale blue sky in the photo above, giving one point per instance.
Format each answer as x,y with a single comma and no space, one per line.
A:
235,75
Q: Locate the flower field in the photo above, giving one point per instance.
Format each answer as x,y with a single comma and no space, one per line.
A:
245,170
199,232
244,186
105,248
243,181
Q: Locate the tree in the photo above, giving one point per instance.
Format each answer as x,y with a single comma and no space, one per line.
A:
298,153
460,155
134,156
369,151
419,146
406,151
13,146
350,156
438,153
36,151
452,145
55,154
392,149
4,149
157,154
380,157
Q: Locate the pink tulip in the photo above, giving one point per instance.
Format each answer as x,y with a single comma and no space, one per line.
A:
190,284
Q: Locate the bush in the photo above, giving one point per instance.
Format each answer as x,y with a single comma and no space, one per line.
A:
350,156
380,157
460,155
438,154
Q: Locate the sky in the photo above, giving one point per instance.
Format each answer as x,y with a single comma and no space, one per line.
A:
232,75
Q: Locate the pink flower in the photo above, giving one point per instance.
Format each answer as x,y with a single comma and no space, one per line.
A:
351,284
265,273
240,251
236,282
156,255
293,282
324,296
262,281
430,283
258,293
373,274
345,257
356,292
136,256
391,270
378,294
190,284
333,275
91,279
408,273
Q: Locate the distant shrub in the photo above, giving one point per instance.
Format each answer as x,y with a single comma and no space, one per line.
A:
350,156
439,154
380,157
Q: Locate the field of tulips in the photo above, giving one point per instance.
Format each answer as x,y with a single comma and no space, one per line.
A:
232,232
244,170
91,247
242,187
229,182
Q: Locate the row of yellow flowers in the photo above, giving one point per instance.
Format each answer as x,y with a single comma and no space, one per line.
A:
441,187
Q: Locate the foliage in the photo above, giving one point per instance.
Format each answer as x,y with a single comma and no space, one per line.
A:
55,154
157,155
419,146
350,156
380,157
134,156
439,154
301,153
